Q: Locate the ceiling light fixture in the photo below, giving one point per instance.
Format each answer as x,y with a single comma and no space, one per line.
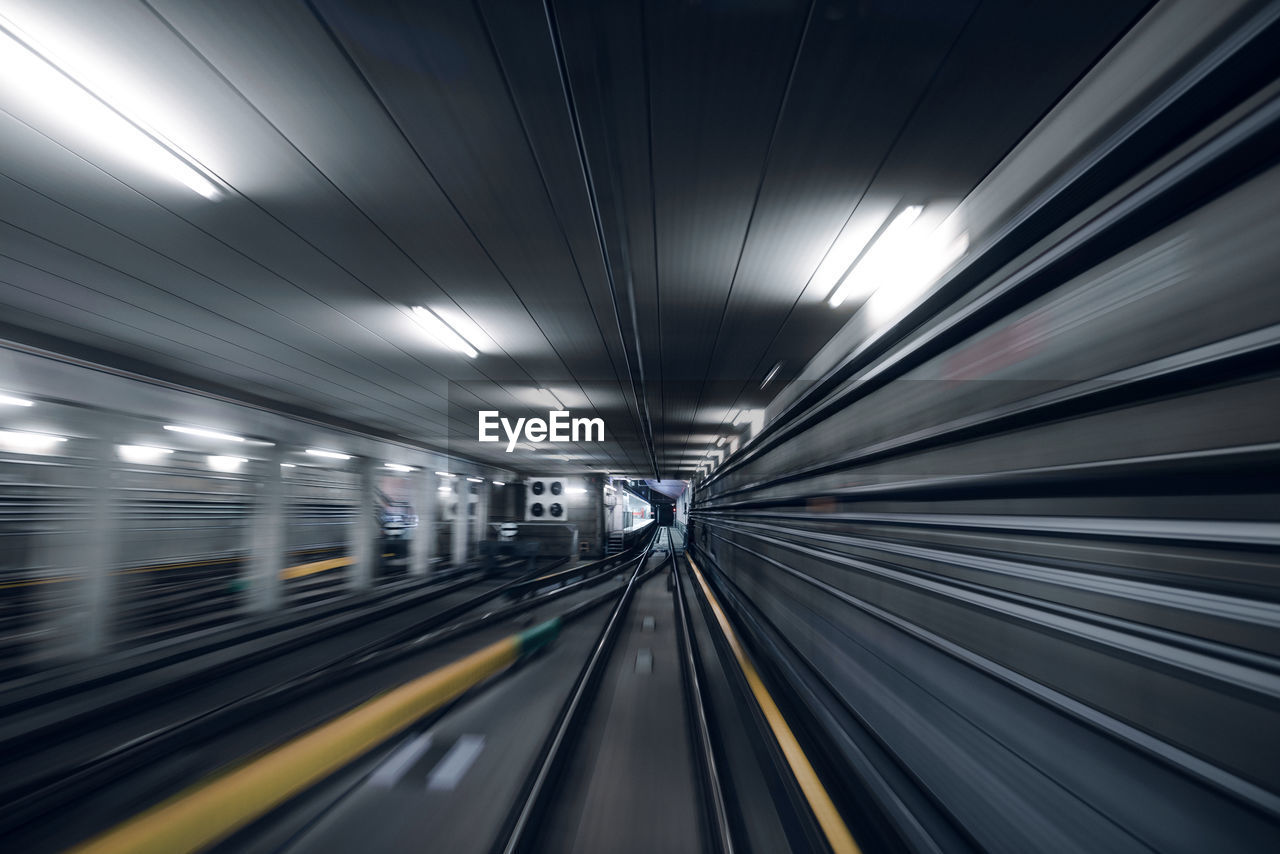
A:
719,441
19,440
443,332
773,372
476,479
21,58
226,464
547,393
498,483
878,261
331,455
10,400
204,432
142,453
398,467
288,466
445,474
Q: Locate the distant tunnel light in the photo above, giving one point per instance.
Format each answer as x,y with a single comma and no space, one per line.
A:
11,400
443,332
885,252
24,442
226,464
142,453
75,100
328,455
397,467
204,432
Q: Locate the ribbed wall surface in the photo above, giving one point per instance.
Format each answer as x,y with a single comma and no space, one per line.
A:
1023,548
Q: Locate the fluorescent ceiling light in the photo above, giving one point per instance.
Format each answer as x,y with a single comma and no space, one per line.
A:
443,332
74,100
719,441
773,372
476,479
445,474
19,440
397,467
205,432
226,464
445,489
930,256
142,453
548,394
576,490
498,483
10,400
330,455
288,466
879,260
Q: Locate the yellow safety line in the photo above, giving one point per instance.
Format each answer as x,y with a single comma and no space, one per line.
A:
31,582
217,808
304,569
833,826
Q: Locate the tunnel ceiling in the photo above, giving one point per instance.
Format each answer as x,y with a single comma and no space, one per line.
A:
381,155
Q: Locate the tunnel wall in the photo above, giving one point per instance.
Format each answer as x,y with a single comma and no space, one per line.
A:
1023,544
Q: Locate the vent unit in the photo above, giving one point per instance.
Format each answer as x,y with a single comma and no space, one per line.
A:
544,500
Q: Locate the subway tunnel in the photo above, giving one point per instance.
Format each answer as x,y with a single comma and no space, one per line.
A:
639,426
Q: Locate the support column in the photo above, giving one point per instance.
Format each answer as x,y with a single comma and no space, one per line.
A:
461,489
423,544
99,553
364,532
267,535
481,531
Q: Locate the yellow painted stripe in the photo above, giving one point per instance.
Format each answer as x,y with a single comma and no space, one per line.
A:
32,582
304,569
213,810
833,826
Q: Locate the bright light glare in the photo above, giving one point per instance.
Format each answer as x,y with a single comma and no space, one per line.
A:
445,489
10,400
226,464
48,83
206,433
17,440
882,260
142,453
853,239
397,467
498,483
476,479
576,490
445,474
443,332
935,255
288,466
330,455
